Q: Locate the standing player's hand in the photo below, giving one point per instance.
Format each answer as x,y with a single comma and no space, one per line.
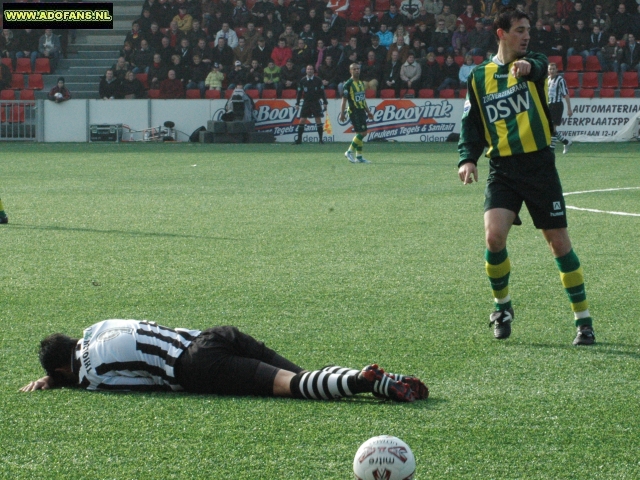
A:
297,107
468,173
341,117
369,115
521,68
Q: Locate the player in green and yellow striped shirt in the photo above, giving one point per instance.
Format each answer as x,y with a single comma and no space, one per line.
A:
3,215
506,112
354,94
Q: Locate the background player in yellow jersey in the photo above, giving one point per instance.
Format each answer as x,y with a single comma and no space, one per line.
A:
507,112
3,215
354,95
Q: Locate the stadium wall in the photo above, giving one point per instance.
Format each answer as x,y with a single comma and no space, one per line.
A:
410,120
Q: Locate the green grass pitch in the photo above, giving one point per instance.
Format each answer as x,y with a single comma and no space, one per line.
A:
327,262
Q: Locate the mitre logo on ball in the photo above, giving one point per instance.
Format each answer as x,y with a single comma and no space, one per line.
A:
384,458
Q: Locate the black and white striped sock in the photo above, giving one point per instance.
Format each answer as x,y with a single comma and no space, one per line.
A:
324,385
381,387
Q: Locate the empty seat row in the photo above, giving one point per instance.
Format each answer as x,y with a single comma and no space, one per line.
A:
23,65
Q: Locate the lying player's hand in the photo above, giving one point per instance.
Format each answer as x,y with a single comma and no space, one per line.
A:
44,383
369,115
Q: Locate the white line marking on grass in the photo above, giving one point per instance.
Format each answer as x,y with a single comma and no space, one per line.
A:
603,211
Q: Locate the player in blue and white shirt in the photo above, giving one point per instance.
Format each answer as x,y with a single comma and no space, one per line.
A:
127,355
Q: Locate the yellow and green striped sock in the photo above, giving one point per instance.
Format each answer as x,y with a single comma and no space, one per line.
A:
498,269
356,144
572,278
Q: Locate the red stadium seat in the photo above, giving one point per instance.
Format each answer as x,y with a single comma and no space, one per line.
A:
352,31
290,94
253,93
42,66
17,81
26,95
240,31
607,93
193,94
425,93
627,93
370,93
8,63
610,80
387,93
227,93
382,5
269,94
593,64
462,93
143,79
587,93
572,93
329,93
590,80
7,95
459,59
23,65
212,94
629,80
558,61
154,93
574,63
447,93
572,79
478,59
36,82
440,60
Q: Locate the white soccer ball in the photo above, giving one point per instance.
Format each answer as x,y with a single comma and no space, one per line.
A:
384,458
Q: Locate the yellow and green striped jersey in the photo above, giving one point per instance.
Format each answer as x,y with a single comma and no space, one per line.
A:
507,115
354,92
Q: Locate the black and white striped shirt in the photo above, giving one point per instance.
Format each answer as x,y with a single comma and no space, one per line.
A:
557,89
130,355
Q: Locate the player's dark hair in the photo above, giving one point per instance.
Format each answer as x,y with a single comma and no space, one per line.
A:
506,17
55,352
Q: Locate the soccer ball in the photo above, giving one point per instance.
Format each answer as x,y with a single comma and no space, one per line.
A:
384,458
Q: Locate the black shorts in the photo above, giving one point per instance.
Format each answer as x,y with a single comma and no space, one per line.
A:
531,178
358,119
225,361
556,109
311,109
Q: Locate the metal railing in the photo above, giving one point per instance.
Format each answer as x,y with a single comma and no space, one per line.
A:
21,120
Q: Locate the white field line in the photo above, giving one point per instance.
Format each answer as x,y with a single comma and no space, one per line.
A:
603,211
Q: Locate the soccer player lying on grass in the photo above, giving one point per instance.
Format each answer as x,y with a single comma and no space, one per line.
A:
132,355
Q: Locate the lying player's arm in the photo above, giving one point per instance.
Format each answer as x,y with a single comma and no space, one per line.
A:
124,383
44,383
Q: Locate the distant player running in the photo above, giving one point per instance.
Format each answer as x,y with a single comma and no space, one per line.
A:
354,93
3,215
312,89
506,111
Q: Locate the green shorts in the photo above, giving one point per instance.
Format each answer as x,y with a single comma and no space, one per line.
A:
358,119
531,178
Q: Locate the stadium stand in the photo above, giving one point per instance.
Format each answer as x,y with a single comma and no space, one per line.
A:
629,80
193,94
587,93
627,93
425,93
17,81
574,64
592,64
572,79
23,65
610,80
447,93
35,82
590,80
212,94
7,95
26,95
42,66
607,93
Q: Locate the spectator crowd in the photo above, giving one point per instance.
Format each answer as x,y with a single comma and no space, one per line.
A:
404,46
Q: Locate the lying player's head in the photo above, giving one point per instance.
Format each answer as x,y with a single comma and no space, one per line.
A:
506,18
55,353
